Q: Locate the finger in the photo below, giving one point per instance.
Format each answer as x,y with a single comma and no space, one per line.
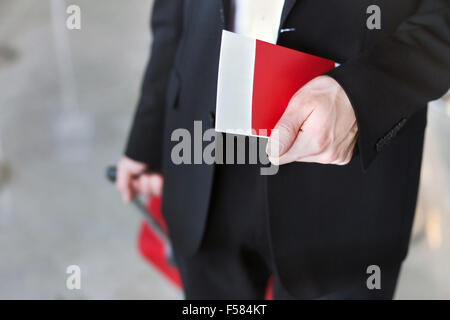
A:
155,184
150,184
124,184
286,130
303,146
332,153
347,152
136,186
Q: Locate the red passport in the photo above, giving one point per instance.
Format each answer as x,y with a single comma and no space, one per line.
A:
256,82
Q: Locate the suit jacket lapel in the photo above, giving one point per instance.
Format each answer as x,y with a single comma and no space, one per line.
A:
288,5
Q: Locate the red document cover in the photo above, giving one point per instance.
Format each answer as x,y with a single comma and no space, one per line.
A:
256,82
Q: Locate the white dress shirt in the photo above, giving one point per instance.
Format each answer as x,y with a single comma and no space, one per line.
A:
258,19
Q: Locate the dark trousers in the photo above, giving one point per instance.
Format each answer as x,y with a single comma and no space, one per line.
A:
235,260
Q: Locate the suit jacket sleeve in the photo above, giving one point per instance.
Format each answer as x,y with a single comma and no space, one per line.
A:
146,135
391,81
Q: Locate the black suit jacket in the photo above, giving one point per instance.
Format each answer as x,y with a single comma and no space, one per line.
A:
327,223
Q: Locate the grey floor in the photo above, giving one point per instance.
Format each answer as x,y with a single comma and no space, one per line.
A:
66,100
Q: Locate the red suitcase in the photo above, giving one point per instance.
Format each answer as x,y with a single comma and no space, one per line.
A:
153,243
158,252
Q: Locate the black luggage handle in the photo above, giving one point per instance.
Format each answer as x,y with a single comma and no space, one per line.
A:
111,173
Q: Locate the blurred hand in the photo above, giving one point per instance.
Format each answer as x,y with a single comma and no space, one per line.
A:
319,125
131,182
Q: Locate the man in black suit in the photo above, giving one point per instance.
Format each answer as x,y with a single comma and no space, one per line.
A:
349,149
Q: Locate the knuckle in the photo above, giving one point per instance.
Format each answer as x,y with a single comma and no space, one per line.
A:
331,157
321,143
345,161
285,127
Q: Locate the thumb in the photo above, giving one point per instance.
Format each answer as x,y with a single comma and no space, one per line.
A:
284,134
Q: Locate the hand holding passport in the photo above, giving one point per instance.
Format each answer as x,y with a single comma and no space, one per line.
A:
259,90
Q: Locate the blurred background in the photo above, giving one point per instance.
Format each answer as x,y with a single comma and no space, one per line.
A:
66,102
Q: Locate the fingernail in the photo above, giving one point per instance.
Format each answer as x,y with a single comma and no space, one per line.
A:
274,160
268,147
275,148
